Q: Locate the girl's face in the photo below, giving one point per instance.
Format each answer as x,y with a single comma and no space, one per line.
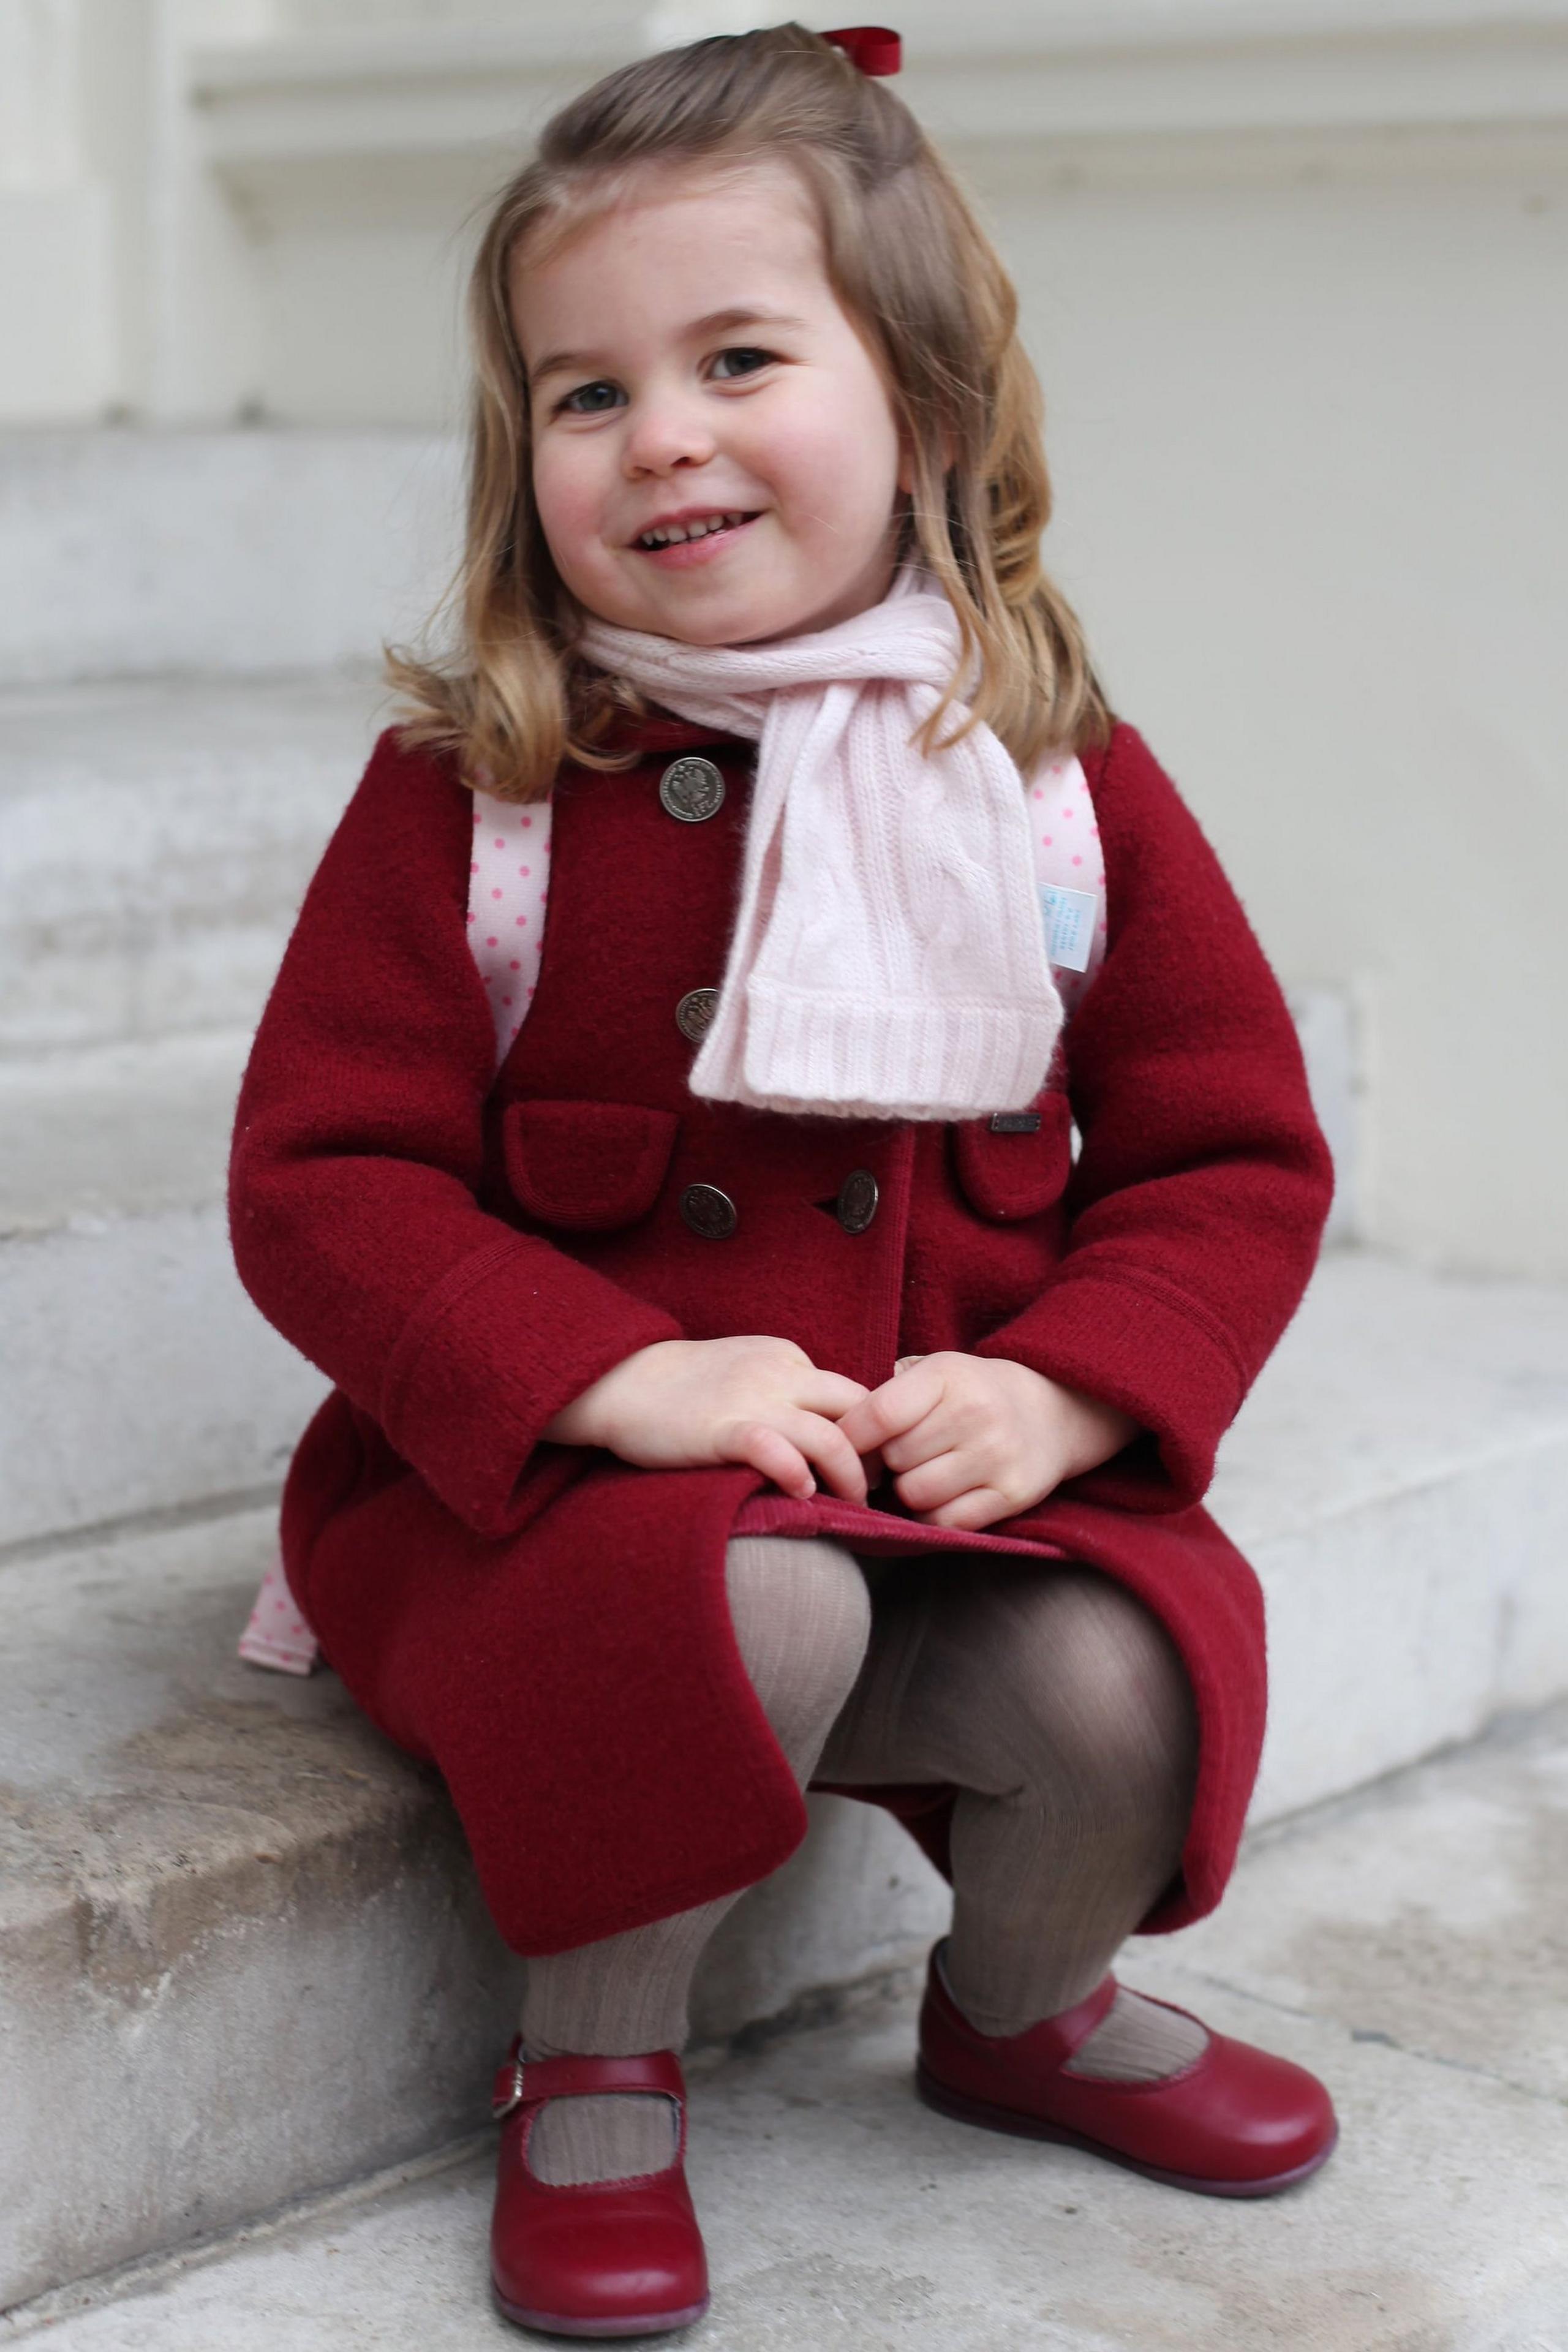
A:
691,371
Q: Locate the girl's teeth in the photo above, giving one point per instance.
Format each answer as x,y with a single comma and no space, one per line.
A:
674,534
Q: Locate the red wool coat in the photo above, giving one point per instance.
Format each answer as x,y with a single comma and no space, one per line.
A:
462,1252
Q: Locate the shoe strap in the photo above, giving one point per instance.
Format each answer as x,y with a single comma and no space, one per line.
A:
522,2082
1070,2029
1055,2039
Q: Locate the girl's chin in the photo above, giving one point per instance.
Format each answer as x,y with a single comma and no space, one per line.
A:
754,621
720,622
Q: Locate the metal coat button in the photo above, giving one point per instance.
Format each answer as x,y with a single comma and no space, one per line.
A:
691,789
709,1212
694,1014
858,1200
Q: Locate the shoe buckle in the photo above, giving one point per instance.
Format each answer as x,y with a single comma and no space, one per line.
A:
506,2091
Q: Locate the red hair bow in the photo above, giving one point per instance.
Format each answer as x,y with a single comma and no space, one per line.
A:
873,47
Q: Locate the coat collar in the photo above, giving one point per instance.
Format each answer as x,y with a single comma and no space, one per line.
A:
661,730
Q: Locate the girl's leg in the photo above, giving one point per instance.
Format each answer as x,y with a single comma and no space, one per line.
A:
801,1617
1059,1707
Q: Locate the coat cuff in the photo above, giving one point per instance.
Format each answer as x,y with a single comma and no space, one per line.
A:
489,1358
1136,1341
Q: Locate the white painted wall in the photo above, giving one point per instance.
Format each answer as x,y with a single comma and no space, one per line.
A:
1313,483
1295,277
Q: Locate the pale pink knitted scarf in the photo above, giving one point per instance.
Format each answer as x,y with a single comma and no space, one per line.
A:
888,959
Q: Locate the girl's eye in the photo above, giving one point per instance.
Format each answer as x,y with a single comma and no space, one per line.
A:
590,399
742,361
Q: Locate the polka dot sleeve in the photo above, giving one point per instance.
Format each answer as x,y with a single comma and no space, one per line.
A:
509,887
1068,857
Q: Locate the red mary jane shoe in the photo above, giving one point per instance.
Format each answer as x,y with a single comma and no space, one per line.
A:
1234,2123
608,2257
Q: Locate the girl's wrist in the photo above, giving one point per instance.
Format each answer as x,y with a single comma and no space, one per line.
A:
588,1419
1097,1431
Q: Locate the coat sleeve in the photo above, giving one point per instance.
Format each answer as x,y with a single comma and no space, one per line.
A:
1198,1199
357,1158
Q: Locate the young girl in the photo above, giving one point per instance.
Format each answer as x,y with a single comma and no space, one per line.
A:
740,1385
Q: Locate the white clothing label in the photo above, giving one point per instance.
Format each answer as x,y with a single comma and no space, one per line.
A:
1070,924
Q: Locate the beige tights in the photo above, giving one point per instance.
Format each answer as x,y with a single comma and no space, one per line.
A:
802,1617
1055,1703
1059,1707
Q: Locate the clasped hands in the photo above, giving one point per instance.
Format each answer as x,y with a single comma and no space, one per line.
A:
972,1439
966,1440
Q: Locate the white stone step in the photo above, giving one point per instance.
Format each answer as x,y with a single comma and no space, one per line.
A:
1400,1477
155,840
1406,1947
136,553
136,1375
241,1953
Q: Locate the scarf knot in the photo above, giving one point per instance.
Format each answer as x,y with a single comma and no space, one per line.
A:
888,956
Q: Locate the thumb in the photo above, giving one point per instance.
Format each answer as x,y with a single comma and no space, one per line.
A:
904,1362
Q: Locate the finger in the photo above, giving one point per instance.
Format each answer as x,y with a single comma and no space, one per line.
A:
939,1479
982,1507
890,1411
832,1394
837,1463
936,1435
770,1450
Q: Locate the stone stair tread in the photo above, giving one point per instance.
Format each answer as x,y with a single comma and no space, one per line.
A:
840,2212
211,553
1393,1376
120,1129
219,1891
156,837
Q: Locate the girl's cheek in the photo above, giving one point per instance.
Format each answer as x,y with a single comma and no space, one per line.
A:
567,511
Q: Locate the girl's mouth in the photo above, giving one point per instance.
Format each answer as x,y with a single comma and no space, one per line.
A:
675,547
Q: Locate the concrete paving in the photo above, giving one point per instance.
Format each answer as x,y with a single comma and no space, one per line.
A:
1409,1944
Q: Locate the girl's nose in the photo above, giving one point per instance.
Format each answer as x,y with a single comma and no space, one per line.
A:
664,433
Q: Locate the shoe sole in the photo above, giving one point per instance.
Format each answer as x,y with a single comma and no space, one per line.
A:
1021,2127
643,2323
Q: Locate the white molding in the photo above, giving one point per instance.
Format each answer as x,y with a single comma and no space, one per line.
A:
1190,73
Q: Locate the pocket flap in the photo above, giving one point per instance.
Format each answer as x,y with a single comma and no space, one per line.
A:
589,1165
1015,1172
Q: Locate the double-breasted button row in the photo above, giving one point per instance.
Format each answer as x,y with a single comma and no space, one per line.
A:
691,789
713,1214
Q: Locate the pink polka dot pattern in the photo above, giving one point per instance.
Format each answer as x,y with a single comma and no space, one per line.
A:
276,1635
506,884
1069,855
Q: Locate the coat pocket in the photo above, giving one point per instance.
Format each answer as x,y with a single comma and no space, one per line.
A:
587,1165
1009,1172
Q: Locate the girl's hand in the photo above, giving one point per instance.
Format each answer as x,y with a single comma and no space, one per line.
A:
975,1438
682,1404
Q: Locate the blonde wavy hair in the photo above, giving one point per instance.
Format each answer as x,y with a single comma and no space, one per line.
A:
913,269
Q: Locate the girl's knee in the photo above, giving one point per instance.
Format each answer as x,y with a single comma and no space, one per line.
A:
802,1617
1091,1684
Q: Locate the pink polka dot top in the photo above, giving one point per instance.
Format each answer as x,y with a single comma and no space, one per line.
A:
509,891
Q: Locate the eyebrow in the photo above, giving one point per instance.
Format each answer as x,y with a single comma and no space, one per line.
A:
714,323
